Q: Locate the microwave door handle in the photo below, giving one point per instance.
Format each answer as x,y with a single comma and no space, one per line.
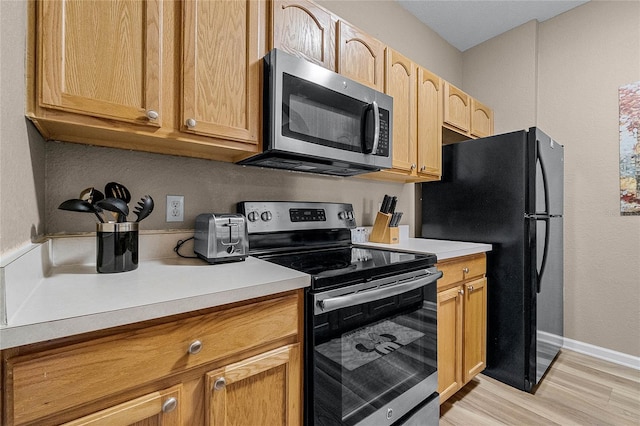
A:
376,125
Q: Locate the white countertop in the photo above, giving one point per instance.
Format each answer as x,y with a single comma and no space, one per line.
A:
52,290
443,249
62,300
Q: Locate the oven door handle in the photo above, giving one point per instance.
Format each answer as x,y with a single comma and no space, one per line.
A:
334,303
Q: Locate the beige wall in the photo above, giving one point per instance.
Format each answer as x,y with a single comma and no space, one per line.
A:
389,22
576,85
207,185
21,148
582,57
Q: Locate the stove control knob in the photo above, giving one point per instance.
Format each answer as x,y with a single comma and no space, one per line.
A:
350,215
342,215
252,216
266,216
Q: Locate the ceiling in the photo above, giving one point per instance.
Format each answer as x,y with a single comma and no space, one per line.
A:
466,23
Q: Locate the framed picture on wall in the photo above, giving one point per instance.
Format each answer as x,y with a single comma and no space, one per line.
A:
629,101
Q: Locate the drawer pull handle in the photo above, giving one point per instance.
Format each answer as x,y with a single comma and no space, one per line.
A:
465,270
219,384
461,291
195,347
470,288
169,405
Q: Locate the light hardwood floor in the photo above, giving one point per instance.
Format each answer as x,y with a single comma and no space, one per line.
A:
577,390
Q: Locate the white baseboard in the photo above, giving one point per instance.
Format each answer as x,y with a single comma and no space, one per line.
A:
603,353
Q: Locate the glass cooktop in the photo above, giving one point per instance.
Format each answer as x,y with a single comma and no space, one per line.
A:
335,267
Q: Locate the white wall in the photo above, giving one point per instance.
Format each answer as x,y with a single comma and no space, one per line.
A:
573,66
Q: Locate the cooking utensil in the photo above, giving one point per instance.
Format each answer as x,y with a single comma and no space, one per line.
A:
117,190
115,205
144,207
91,195
76,205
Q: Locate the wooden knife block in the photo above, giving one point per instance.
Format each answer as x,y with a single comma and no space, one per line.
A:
381,233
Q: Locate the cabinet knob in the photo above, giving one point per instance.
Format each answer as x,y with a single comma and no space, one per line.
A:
423,168
152,115
470,288
169,405
465,270
219,384
195,347
191,123
461,292
413,167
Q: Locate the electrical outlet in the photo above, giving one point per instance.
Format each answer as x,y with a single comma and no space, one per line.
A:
175,208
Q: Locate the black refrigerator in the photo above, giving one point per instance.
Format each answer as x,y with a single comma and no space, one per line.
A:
507,190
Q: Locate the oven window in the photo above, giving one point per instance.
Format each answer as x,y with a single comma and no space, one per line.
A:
368,355
321,116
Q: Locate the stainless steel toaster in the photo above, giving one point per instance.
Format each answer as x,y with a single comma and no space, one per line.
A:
221,237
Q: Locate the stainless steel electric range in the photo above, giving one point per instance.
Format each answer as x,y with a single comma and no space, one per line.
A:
370,316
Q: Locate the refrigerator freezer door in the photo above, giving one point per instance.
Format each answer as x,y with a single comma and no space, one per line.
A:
550,295
548,192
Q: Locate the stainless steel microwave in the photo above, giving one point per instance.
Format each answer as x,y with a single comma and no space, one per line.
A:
318,121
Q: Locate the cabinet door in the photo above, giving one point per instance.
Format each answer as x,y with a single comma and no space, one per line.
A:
157,408
400,83
481,119
304,29
456,107
101,58
221,68
475,328
360,56
263,390
449,341
429,119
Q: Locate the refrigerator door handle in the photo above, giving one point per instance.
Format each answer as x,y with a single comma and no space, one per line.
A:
544,182
545,251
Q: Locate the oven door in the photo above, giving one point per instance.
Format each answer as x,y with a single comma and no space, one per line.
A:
371,350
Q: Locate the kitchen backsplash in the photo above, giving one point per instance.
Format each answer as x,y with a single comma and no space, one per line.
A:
207,186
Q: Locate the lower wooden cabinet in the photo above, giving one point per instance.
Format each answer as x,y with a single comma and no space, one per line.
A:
231,365
462,322
161,408
263,390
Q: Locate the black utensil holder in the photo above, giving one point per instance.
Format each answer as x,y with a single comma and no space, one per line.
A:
117,247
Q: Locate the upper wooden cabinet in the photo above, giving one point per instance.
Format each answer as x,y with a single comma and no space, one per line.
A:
400,83
221,69
481,119
304,29
429,125
417,120
464,117
360,57
101,59
457,108
126,74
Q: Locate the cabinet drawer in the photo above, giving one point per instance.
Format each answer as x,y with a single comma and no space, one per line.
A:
55,380
461,269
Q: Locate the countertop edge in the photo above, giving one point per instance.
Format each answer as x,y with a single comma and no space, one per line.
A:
443,249
13,336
